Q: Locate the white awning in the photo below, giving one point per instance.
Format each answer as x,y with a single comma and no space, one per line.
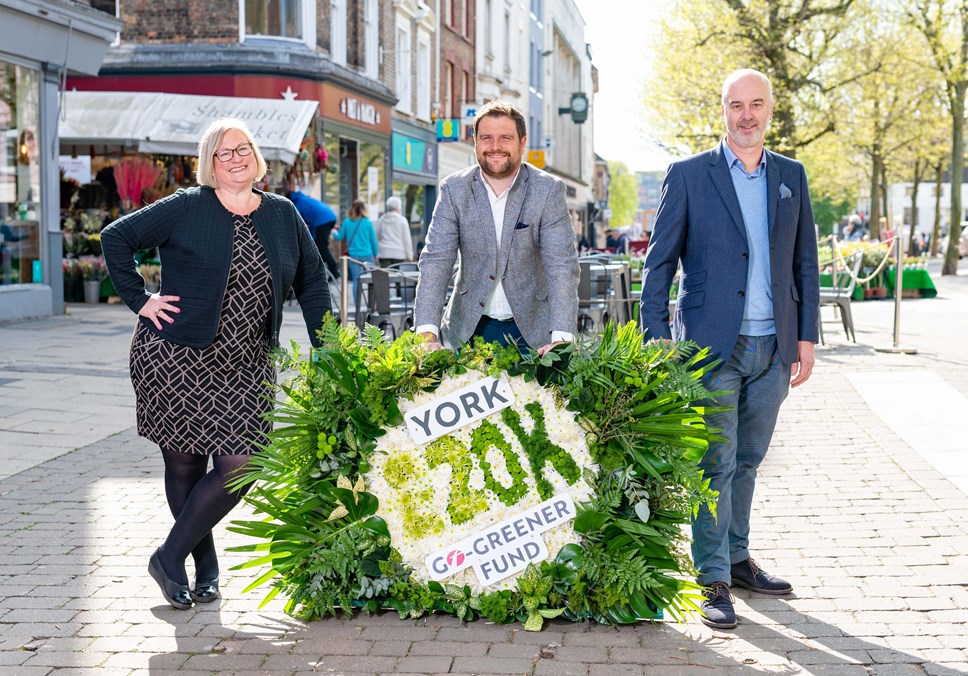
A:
173,123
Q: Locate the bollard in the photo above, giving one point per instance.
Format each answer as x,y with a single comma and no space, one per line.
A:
898,293
344,310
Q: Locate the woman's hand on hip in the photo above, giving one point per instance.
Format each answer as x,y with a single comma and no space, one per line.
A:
159,308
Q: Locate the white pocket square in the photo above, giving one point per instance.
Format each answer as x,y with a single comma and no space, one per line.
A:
784,191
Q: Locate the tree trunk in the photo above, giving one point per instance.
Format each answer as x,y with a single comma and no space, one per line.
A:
875,213
936,231
950,266
885,211
918,170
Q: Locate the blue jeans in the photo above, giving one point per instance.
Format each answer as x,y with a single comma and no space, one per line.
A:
356,269
758,382
501,332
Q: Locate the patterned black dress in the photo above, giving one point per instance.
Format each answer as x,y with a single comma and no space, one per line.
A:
209,400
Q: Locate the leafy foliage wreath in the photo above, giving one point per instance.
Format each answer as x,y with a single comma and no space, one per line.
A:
328,548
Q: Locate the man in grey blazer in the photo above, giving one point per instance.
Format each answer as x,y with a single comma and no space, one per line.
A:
509,222
738,219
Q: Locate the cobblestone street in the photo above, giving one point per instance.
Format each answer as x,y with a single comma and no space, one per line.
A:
861,504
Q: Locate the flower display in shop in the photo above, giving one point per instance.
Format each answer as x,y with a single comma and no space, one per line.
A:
481,483
133,175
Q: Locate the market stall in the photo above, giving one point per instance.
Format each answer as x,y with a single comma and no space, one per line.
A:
123,150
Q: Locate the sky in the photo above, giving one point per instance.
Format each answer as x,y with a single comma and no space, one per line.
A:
620,33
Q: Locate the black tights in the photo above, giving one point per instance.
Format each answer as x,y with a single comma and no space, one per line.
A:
198,500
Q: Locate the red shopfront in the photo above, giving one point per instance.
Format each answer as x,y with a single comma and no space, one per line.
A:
354,129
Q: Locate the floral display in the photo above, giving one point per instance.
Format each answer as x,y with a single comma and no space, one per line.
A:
422,518
590,470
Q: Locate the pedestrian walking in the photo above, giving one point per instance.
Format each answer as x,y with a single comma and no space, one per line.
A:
739,221
321,220
200,353
360,237
393,235
518,275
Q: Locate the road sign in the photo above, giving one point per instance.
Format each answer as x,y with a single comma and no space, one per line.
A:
537,158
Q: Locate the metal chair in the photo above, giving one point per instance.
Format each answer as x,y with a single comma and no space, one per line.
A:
839,295
378,306
592,296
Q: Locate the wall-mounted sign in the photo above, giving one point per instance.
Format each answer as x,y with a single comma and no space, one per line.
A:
414,155
360,111
448,130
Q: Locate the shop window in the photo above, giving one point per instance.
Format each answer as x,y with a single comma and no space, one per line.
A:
19,175
372,174
278,19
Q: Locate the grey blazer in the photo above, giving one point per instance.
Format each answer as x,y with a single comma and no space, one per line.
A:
537,262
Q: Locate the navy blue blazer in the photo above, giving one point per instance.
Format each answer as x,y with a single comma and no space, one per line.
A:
193,233
699,223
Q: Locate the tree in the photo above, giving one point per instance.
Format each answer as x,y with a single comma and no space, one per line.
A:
793,41
944,25
623,194
889,107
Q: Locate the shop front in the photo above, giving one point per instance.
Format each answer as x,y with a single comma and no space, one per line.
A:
123,150
40,41
345,153
414,162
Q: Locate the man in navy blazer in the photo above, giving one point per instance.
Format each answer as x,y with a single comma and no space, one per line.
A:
738,219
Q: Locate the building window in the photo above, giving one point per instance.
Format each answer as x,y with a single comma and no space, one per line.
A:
371,17
107,6
337,31
404,65
423,75
507,41
447,89
488,30
278,19
467,88
469,18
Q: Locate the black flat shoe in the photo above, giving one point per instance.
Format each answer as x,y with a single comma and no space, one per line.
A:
176,594
206,592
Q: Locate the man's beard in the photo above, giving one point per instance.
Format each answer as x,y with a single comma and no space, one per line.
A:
508,170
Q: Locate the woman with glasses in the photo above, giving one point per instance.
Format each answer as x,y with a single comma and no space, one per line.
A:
200,353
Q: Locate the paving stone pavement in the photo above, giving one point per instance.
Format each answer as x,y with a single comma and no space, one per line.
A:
873,537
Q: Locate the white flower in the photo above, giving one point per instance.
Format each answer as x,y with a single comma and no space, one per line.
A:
425,493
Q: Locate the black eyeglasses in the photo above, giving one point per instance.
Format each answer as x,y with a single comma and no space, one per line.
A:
226,154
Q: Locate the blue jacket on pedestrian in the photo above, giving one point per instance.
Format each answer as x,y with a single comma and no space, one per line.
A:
314,212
